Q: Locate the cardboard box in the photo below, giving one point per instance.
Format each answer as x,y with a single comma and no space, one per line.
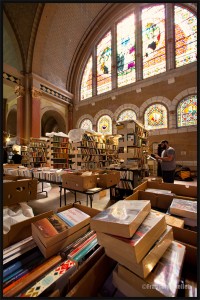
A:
146,265
91,282
185,236
22,230
177,189
51,245
76,181
172,221
106,179
21,189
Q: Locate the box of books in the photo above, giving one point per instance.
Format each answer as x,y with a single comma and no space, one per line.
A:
173,221
163,281
62,228
175,189
78,181
22,230
146,265
18,189
122,218
136,247
184,208
107,178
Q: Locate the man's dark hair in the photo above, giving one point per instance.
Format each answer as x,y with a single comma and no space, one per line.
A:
164,141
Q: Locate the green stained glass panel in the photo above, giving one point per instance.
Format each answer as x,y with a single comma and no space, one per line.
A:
185,36
156,117
153,40
126,51
187,111
104,64
86,84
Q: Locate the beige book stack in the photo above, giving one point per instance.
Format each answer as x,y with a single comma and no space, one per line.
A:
136,247
122,218
184,208
163,281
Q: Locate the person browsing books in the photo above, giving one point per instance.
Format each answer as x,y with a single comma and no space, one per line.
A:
168,162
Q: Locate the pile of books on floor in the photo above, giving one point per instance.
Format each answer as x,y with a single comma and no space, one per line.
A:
138,238
26,273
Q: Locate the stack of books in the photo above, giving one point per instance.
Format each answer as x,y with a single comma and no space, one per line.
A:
140,249
186,209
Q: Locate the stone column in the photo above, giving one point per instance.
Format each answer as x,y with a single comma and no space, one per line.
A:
70,117
36,113
27,106
20,92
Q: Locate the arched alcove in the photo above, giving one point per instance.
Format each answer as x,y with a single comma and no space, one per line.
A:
12,122
52,121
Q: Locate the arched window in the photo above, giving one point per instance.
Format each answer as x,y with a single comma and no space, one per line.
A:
185,36
155,117
104,64
86,124
153,37
104,125
187,111
86,84
127,114
126,51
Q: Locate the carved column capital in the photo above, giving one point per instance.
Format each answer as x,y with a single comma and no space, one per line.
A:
19,90
36,93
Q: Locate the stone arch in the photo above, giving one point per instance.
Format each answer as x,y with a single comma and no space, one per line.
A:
52,120
101,113
86,116
11,121
124,107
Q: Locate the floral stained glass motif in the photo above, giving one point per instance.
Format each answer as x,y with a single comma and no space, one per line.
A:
126,51
104,125
187,111
86,84
153,38
104,64
86,124
155,117
185,36
127,114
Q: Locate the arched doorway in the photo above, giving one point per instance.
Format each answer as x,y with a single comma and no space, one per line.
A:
12,122
52,121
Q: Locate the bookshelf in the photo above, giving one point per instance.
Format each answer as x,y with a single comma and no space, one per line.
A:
38,152
25,155
93,151
59,152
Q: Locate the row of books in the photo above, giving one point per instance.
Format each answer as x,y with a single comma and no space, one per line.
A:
37,276
126,175
60,150
59,155
60,139
38,144
139,239
125,185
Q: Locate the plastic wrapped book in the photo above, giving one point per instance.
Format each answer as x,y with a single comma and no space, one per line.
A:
184,208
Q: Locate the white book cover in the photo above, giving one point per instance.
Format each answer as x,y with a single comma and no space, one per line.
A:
73,216
184,208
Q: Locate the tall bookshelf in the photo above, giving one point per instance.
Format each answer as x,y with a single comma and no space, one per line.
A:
59,151
38,152
25,153
93,151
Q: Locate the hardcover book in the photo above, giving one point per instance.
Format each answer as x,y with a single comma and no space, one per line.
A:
123,217
184,208
45,227
146,265
136,247
163,281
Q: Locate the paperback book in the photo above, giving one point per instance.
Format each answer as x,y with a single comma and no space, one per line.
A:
73,216
184,208
123,217
136,247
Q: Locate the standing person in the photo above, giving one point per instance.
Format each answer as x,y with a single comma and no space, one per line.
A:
159,169
168,162
17,158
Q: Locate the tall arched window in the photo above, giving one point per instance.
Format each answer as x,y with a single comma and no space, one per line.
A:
155,117
126,51
104,64
185,36
153,38
127,114
187,111
104,125
86,124
86,84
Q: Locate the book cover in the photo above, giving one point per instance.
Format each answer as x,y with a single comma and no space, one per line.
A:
136,247
73,216
57,223
45,228
184,208
81,254
17,245
81,246
123,217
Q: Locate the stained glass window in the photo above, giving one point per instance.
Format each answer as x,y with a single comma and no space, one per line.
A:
127,114
104,64
104,125
185,36
155,117
86,84
126,51
187,111
153,38
86,124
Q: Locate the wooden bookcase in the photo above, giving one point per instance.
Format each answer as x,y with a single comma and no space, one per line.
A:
92,152
38,152
25,153
59,152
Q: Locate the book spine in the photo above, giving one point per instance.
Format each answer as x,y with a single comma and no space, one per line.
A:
16,245
81,246
18,253
82,253
64,218
33,275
